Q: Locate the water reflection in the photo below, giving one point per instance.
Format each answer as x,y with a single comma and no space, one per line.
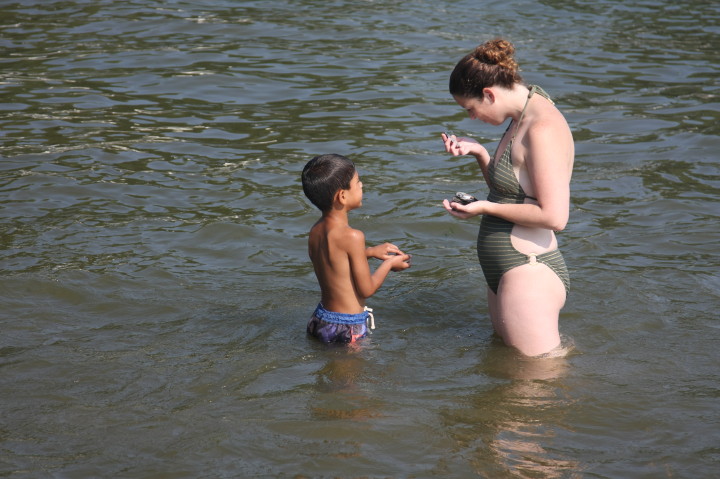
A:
339,385
508,429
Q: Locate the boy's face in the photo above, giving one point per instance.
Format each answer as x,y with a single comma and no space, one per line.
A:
355,192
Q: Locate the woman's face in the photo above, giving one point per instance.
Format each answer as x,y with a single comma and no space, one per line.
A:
482,109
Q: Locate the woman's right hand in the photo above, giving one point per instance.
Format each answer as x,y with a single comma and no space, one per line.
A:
462,146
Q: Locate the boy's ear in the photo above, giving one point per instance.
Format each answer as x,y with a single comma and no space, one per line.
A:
340,197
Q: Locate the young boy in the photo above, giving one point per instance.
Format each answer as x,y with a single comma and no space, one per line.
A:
338,252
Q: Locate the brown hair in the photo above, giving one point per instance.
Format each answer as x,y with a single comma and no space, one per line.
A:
323,176
490,64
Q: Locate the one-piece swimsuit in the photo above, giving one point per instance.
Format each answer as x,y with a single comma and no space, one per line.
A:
496,252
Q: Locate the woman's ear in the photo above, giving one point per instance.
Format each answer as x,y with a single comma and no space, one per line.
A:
489,94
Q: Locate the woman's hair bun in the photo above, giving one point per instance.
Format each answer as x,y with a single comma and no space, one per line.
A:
497,52
492,63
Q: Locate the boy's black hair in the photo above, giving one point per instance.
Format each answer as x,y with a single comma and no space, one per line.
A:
323,176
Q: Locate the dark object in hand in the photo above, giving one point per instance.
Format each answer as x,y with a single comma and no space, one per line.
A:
463,198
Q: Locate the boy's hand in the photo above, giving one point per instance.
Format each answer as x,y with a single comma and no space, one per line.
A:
383,251
399,262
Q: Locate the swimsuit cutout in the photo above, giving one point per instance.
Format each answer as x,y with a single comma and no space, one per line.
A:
496,253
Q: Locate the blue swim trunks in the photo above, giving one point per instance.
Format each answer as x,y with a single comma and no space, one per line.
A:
332,327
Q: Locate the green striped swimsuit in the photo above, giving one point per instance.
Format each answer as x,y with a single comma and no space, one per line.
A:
495,250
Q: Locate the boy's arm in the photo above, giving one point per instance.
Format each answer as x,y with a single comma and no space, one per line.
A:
366,284
382,251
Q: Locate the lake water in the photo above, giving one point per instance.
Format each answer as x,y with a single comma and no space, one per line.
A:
155,282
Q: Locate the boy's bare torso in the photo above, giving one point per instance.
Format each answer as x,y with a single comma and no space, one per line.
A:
330,247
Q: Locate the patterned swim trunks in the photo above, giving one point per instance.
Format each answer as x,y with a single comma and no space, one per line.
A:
332,327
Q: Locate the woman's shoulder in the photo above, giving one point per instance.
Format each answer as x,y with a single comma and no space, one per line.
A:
548,129
548,117
539,90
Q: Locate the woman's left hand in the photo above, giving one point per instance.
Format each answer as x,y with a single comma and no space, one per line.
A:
464,211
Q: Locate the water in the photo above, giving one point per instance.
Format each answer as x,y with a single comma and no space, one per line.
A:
155,282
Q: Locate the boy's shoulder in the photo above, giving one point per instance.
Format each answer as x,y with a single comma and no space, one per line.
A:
341,234
346,234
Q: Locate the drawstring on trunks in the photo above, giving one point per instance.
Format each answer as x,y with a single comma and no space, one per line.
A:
370,317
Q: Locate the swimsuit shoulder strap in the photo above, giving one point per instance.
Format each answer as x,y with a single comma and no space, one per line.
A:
542,93
522,114
533,89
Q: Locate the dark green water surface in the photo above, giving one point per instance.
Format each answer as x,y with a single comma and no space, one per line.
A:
154,279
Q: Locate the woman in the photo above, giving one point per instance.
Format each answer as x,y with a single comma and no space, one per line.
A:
529,199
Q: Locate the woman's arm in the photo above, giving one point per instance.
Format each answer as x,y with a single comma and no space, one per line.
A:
549,165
